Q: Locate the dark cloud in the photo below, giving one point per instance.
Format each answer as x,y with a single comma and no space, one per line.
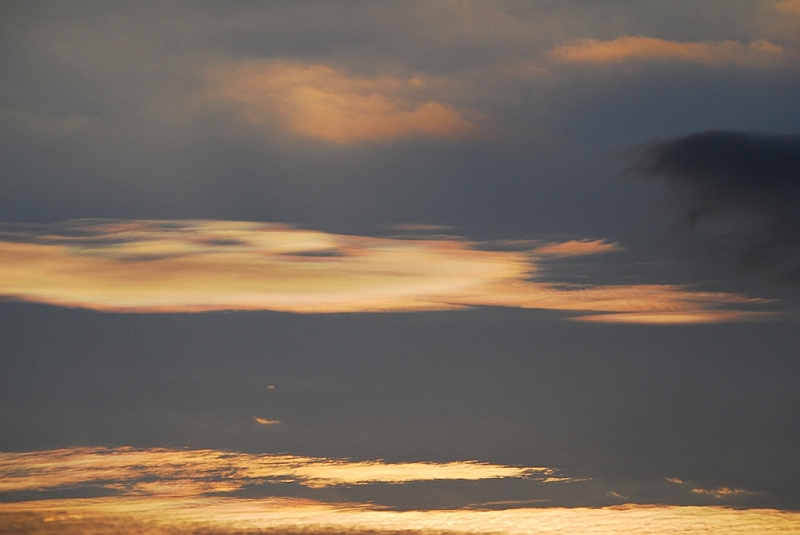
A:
738,194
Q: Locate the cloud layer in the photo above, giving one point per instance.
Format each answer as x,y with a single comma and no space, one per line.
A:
185,266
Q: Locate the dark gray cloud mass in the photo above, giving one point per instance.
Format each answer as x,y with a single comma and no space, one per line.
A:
737,192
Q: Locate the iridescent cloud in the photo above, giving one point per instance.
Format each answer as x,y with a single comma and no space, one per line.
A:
628,48
320,102
190,266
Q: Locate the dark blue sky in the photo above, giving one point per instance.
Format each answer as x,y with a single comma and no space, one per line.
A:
667,129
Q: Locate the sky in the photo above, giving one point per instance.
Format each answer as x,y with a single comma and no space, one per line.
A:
364,267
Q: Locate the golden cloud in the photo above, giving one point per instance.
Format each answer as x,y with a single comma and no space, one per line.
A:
190,266
162,491
171,515
196,472
630,48
320,102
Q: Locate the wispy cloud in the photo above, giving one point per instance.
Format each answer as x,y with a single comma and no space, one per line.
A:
718,492
186,266
320,102
195,472
640,48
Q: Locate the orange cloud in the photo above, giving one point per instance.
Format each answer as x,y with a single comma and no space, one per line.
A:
320,102
189,266
577,248
631,48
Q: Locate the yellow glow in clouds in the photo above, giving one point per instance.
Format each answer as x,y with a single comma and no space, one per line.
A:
190,266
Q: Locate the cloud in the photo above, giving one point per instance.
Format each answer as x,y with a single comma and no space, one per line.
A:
640,48
577,248
290,515
175,491
264,421
189,472
317,101
190,266
739,193
677,318
719,492
722,492
788,7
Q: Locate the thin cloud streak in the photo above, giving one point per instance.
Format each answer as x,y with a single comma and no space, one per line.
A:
192,266
719,492
677,318
319,102
577,248
287,515
641,48
265,421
